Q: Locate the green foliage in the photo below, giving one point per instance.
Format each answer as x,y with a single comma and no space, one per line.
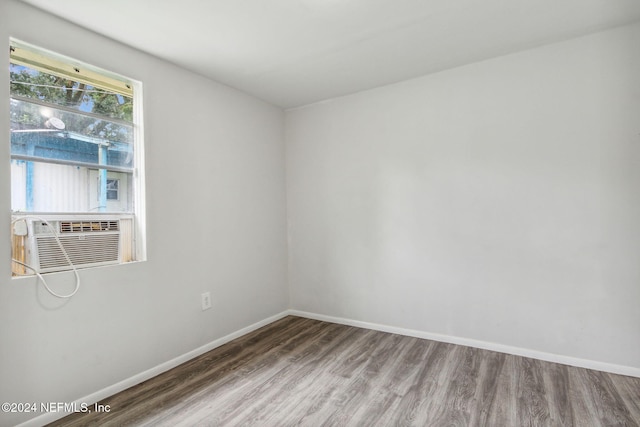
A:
108,104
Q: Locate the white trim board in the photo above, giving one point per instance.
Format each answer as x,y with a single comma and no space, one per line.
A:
163,367
500,348
150,373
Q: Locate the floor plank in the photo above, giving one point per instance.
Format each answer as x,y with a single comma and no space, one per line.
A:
305,372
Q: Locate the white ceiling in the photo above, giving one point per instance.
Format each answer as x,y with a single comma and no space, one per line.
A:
295,52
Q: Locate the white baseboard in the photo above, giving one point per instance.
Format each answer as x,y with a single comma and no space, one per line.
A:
501,348
150,373
163,367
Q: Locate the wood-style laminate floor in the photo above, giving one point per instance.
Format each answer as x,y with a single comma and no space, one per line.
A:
305,372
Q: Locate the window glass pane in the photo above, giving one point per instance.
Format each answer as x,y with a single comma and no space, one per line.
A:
112,189
29,83
47,187
50,133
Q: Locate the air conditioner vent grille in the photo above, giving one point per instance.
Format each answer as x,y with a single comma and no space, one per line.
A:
88,226
83,250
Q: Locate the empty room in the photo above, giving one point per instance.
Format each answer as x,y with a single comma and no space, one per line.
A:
320,212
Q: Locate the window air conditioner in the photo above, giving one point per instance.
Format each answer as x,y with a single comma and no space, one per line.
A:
88,242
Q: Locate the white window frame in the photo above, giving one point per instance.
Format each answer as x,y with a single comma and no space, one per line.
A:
138,237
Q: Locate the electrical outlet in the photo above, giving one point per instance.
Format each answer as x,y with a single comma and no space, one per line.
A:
206,301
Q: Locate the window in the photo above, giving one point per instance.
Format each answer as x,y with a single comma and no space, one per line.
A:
112,189
75,163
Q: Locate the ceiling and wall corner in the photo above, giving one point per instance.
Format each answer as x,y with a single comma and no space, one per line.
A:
497,201
296,52
215,200
524,173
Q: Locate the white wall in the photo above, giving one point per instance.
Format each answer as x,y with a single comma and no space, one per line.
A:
216,222
498,201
